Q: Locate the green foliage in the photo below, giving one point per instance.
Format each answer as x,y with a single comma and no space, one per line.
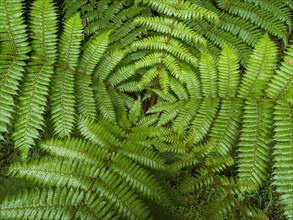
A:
35,87
100,114
239,121
14,47
88,179
242,23
282,154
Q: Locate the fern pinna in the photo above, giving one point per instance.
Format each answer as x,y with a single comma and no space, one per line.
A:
128,95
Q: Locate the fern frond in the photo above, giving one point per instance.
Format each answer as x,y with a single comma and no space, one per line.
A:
122,74
148,76
55,172
104,102
255,141
276,8
190,155
257,16
164,80
109,63
217,38
122,104
228,73
92,53
191,79
220,163
225,131
172,46
162,106
33,96
43,31
62,98
241,33
289,3
11,72
227,123
97,133
130,87
102,177
14,40
164,96
228,197
32,101
135,111
185,10
172,64
202,178
135,145
150,60
282,152
182,122
202,122
45,203
71,7
169,110
178,89
208,76
85,100
245,30
172,27
260,67
128,38
103,16
13,48
281,85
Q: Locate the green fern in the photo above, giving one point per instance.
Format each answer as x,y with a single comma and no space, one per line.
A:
282,156
62,98
255,142
14,47
104,113
258,16
251,112
34,91
92,182
242,24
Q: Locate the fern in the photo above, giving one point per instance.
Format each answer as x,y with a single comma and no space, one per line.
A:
242,24
280,88
256,137
34,90
63,82
282,154
250,111
84,184
259,17
14,48
99,115
259,69
255,143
